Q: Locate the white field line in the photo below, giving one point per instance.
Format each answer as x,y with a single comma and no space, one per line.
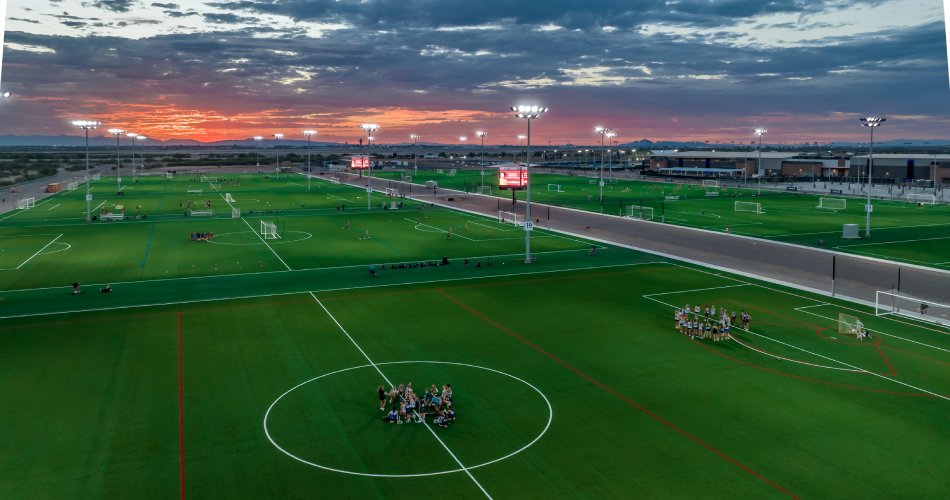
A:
297,292
799,309
390,384
853,367
696,290
15,211
437,229
39,251
52,207
892,242
266,244
743,344
99,205
838,231
339,198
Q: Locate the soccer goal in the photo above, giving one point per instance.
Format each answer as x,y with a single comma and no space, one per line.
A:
269,230
334,180
640,212
113,213
169,175
833,203
235,213
201,212
894,303
710,183
485,190
393,192
96,177
922,198
72,186
511,218
228,198
712,193
555,187
407,178
450,172
26,203
748,206
208,179
439,171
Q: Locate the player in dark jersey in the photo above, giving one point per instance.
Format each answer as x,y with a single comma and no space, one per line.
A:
382,398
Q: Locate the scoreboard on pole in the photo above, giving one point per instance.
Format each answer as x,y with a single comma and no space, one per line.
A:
513,178
359,162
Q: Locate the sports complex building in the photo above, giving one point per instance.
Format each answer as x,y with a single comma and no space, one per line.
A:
746,163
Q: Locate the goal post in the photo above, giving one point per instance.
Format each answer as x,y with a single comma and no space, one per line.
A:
205,178
269,230
850,325
833,203
26,203
555,188
639,212
392,192
169,175
510,218
72,186
486,190
710,183
894,303
334,180
928,199
748,206
228,198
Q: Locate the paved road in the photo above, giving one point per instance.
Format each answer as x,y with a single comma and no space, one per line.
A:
855,277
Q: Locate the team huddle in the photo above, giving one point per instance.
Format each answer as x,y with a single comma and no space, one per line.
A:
407,406
708,323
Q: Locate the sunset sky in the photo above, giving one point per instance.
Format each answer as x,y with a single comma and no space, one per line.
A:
660,70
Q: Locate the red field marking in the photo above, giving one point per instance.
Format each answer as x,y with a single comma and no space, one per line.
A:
181,414
806,379
909,353
620,396
877,345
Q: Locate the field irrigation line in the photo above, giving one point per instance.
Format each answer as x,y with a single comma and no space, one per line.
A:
40,250
381,374
266,244
799,309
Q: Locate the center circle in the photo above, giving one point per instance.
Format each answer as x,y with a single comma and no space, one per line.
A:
283,448
254,239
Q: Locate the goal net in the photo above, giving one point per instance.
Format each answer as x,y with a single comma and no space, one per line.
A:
450,172
748,206
72,186
96,177
485,190
708,183
235,213
833,203
169,175
640,212
921,198
228,198
208,179
26,203
334,180
894,303
269,230
511,218
392,192
112,213
439,171
407,178
850,325
555,187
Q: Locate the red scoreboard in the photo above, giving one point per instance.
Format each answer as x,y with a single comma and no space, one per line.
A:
513,178
359,162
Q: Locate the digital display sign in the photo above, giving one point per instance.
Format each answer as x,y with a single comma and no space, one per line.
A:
512,178
359,162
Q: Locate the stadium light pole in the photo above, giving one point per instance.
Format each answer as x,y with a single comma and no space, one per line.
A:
86,126
603,131
872,122
481,160
528,113
277,137
309,134
414,137
132,136
758,165
369,128
610,155
521,138
257,149
139,138
118,175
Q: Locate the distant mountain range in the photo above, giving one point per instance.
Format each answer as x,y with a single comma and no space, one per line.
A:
100,141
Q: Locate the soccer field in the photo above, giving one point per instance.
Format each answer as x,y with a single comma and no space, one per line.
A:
248,367
900,231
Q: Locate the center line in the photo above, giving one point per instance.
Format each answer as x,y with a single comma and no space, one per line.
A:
381,374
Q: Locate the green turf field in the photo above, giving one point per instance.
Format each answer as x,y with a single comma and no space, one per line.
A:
900,232
245,367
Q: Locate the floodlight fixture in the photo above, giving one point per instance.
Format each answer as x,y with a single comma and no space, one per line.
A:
758,165
872,122
6,95
257,149
415,138
309,134
118,174
277,137
603,131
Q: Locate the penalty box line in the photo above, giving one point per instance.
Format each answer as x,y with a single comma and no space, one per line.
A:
386,379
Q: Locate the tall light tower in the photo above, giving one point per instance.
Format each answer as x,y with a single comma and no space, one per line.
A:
139,138
118,175
414,137
86,126
277,137
309,134
758,165
521,138
481,160
528,113
872,122
257,149
132,136
610,155
369,128
603,131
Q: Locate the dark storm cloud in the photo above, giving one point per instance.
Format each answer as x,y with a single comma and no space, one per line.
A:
166,5
228,19
114,5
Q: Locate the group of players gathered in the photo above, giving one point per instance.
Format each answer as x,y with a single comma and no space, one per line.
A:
408,407
706,322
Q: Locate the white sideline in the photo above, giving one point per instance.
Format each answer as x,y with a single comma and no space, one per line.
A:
266,244
381,374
